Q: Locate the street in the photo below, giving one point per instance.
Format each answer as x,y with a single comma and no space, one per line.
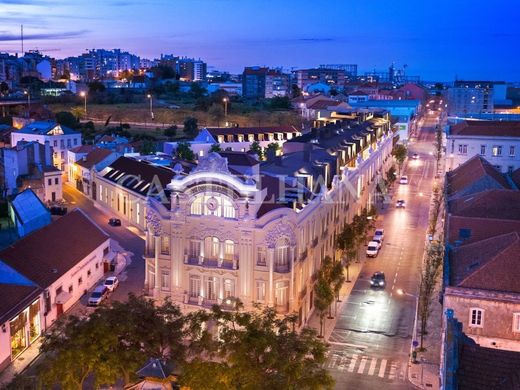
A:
370,344
132,278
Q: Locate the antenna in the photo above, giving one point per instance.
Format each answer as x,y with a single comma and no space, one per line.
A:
21,34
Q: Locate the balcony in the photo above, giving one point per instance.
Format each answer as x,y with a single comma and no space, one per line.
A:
211,263
281,268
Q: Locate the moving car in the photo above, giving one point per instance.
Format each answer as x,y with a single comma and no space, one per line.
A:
373,249
400,204
380,233
97,296
111,283
378,280
114,222
415,156
403,180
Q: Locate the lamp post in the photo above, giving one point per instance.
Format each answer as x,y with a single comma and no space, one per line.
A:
225,100
83,94
149,96
28,93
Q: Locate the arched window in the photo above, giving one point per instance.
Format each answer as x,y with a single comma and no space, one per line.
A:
229,250
211,247
281,253
217,205
196,206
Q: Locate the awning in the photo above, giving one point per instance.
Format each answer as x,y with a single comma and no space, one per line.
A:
63,297
109,257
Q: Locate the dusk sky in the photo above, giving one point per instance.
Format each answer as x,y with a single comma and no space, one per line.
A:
473,39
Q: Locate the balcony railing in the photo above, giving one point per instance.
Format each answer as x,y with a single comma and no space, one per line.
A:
211,263
281,268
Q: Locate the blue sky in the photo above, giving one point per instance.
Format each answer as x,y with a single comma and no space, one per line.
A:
473,39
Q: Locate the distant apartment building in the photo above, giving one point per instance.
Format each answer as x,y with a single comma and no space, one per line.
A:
191,70
264,83
332,77
497,141
471,97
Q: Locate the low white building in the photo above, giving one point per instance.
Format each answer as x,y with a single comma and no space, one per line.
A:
496,141
44,274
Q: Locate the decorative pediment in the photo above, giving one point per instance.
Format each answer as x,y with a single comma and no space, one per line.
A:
213,162
278,231
153,222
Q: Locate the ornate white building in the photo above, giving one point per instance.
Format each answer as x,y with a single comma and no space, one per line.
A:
258,232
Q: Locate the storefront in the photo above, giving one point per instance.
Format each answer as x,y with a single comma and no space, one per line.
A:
25,329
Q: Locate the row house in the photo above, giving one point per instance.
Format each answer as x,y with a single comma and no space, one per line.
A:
44,274
496,141
260,237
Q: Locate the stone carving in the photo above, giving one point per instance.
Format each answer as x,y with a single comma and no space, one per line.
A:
210,232
153,222
213,162
278,231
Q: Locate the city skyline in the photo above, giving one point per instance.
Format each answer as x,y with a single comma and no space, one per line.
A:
227,36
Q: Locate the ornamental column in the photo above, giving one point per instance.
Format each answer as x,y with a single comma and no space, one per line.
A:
291,282
270,261
157,251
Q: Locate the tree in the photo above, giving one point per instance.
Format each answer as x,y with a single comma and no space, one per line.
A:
257,350
399,152
148,147
280,103
271,150
438,146
346,243
197,90
216,112
256,148
337,279
391,175
170,132
4,88
295,91
323,296
184,151
191,126
95,87
215,148
432,268
438,200
67,119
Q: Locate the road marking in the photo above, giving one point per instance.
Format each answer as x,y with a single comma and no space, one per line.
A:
372,368
332,363
362,365
352,363
341,365
348,345
382,368
393,369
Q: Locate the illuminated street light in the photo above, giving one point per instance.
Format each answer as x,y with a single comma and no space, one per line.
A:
83,94
26,92
225,100
149,96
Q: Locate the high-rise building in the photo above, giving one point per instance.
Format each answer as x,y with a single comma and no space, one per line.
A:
471,97
262,82
333,77
190,69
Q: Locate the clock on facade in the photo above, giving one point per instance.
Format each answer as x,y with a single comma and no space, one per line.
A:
212,203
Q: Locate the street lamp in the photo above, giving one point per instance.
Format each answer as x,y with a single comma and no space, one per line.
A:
28,93
83,94
225,100
149,96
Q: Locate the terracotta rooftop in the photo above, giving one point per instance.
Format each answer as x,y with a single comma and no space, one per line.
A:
48,253
491,264
475,175
496,204
82,149
15,298
93,157
323,104
215,131
487,128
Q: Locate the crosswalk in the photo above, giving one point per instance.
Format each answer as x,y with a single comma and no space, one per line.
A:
362,364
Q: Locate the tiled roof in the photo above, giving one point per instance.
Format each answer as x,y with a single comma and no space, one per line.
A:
240,158
107,138
472,171
82,149
47,254
138,176
496,204
323,104
472,229
515,177
28,207
491,264
16,298
43,128
487,368
487,128
94,157
216,131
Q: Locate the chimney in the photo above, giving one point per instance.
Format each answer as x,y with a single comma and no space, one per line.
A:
48,154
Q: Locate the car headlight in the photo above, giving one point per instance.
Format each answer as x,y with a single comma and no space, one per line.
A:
381,283
371,282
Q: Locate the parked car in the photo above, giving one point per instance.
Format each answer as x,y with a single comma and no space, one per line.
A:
378,280
97,296
403,180
380,233
379,241
400,204
114,222
111,283
372,249
57,210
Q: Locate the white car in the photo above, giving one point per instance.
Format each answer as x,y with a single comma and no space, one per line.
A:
403,180
379,241
97,296
400,204
111,283
380,233
372,249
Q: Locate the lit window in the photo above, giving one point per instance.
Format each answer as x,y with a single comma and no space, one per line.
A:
229,288
165,280
229,250
496,151
165,245
211,247
260,290
281,254
476,318
511,151
194,286
463,149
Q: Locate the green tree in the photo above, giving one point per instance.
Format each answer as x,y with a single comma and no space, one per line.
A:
197,90
346,243
280,103
391,175
256,148
272,149
258,350
399,152
148,147
295,91
323,297
216,112
96,87
191,126
438,146
170,132
67,119
215,148
184,151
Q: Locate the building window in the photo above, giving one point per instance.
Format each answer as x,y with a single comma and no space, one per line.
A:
211,247
482,150
80,281
219,206
165,245
511,151
281,253
165,280
68,143
496,151
62,144
229,288
49,181
260,290
516,322
211,288
510,169
71,289
260,256
281,294
75,141
194,249
55,144
476,318
229,250
194,286
56,181
463,149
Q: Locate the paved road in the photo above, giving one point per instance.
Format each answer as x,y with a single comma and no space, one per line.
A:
371,340
132,279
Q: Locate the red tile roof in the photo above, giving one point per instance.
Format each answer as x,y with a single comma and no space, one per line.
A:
15,298
487,128
47,254
515,176
491,264
476,229
323,104
496,204
82,149
472,171
94,157
216,131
